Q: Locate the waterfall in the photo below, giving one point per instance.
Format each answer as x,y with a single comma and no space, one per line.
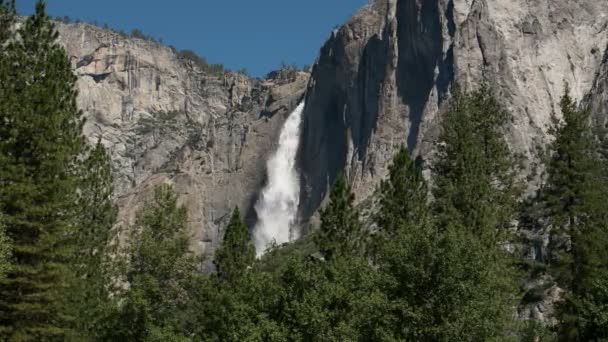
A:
277,208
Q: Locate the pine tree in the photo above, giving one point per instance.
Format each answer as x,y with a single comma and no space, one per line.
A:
40,141
340,233
574,197
5,251
406,246
474,174
7,16
236,252
402,197
473,290
158,269
89,294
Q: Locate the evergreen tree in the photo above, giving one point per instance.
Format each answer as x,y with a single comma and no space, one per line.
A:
340,233
335,300
5,251
406,246
7,16
574,198
473,289
402,197
40,141
91,242
474,174
236,252
158,270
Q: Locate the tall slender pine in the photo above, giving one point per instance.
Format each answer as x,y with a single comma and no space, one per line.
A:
7,18
475,194
40,140
91,243
574,198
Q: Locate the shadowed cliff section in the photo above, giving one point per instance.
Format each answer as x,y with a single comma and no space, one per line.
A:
341,105
420,51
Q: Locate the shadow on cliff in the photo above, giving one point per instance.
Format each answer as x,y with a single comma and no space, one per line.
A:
420,52
337,113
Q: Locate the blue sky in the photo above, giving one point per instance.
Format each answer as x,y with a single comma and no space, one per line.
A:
254,34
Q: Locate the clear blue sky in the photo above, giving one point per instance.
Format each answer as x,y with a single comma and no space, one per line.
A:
254,34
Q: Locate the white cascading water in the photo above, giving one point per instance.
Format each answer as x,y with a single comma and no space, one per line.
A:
278,205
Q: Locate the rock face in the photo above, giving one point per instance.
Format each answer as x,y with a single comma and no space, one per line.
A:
383,78
166,121
598,97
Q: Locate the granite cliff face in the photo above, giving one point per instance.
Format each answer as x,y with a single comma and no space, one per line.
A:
383,78
166,121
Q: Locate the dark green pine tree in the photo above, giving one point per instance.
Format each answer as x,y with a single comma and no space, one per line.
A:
340,233
575,198
40,141
474,174
402,197
91,243
5,250
7,16
236,252
158,267
473,290
406,247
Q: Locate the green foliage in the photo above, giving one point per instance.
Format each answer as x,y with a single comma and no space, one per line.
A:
475,195
5,251
158,269
236,252
534,331
40,141
474,174
574,199
402,198
7,16
336,300
340,233
201,62
572,169
91,244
